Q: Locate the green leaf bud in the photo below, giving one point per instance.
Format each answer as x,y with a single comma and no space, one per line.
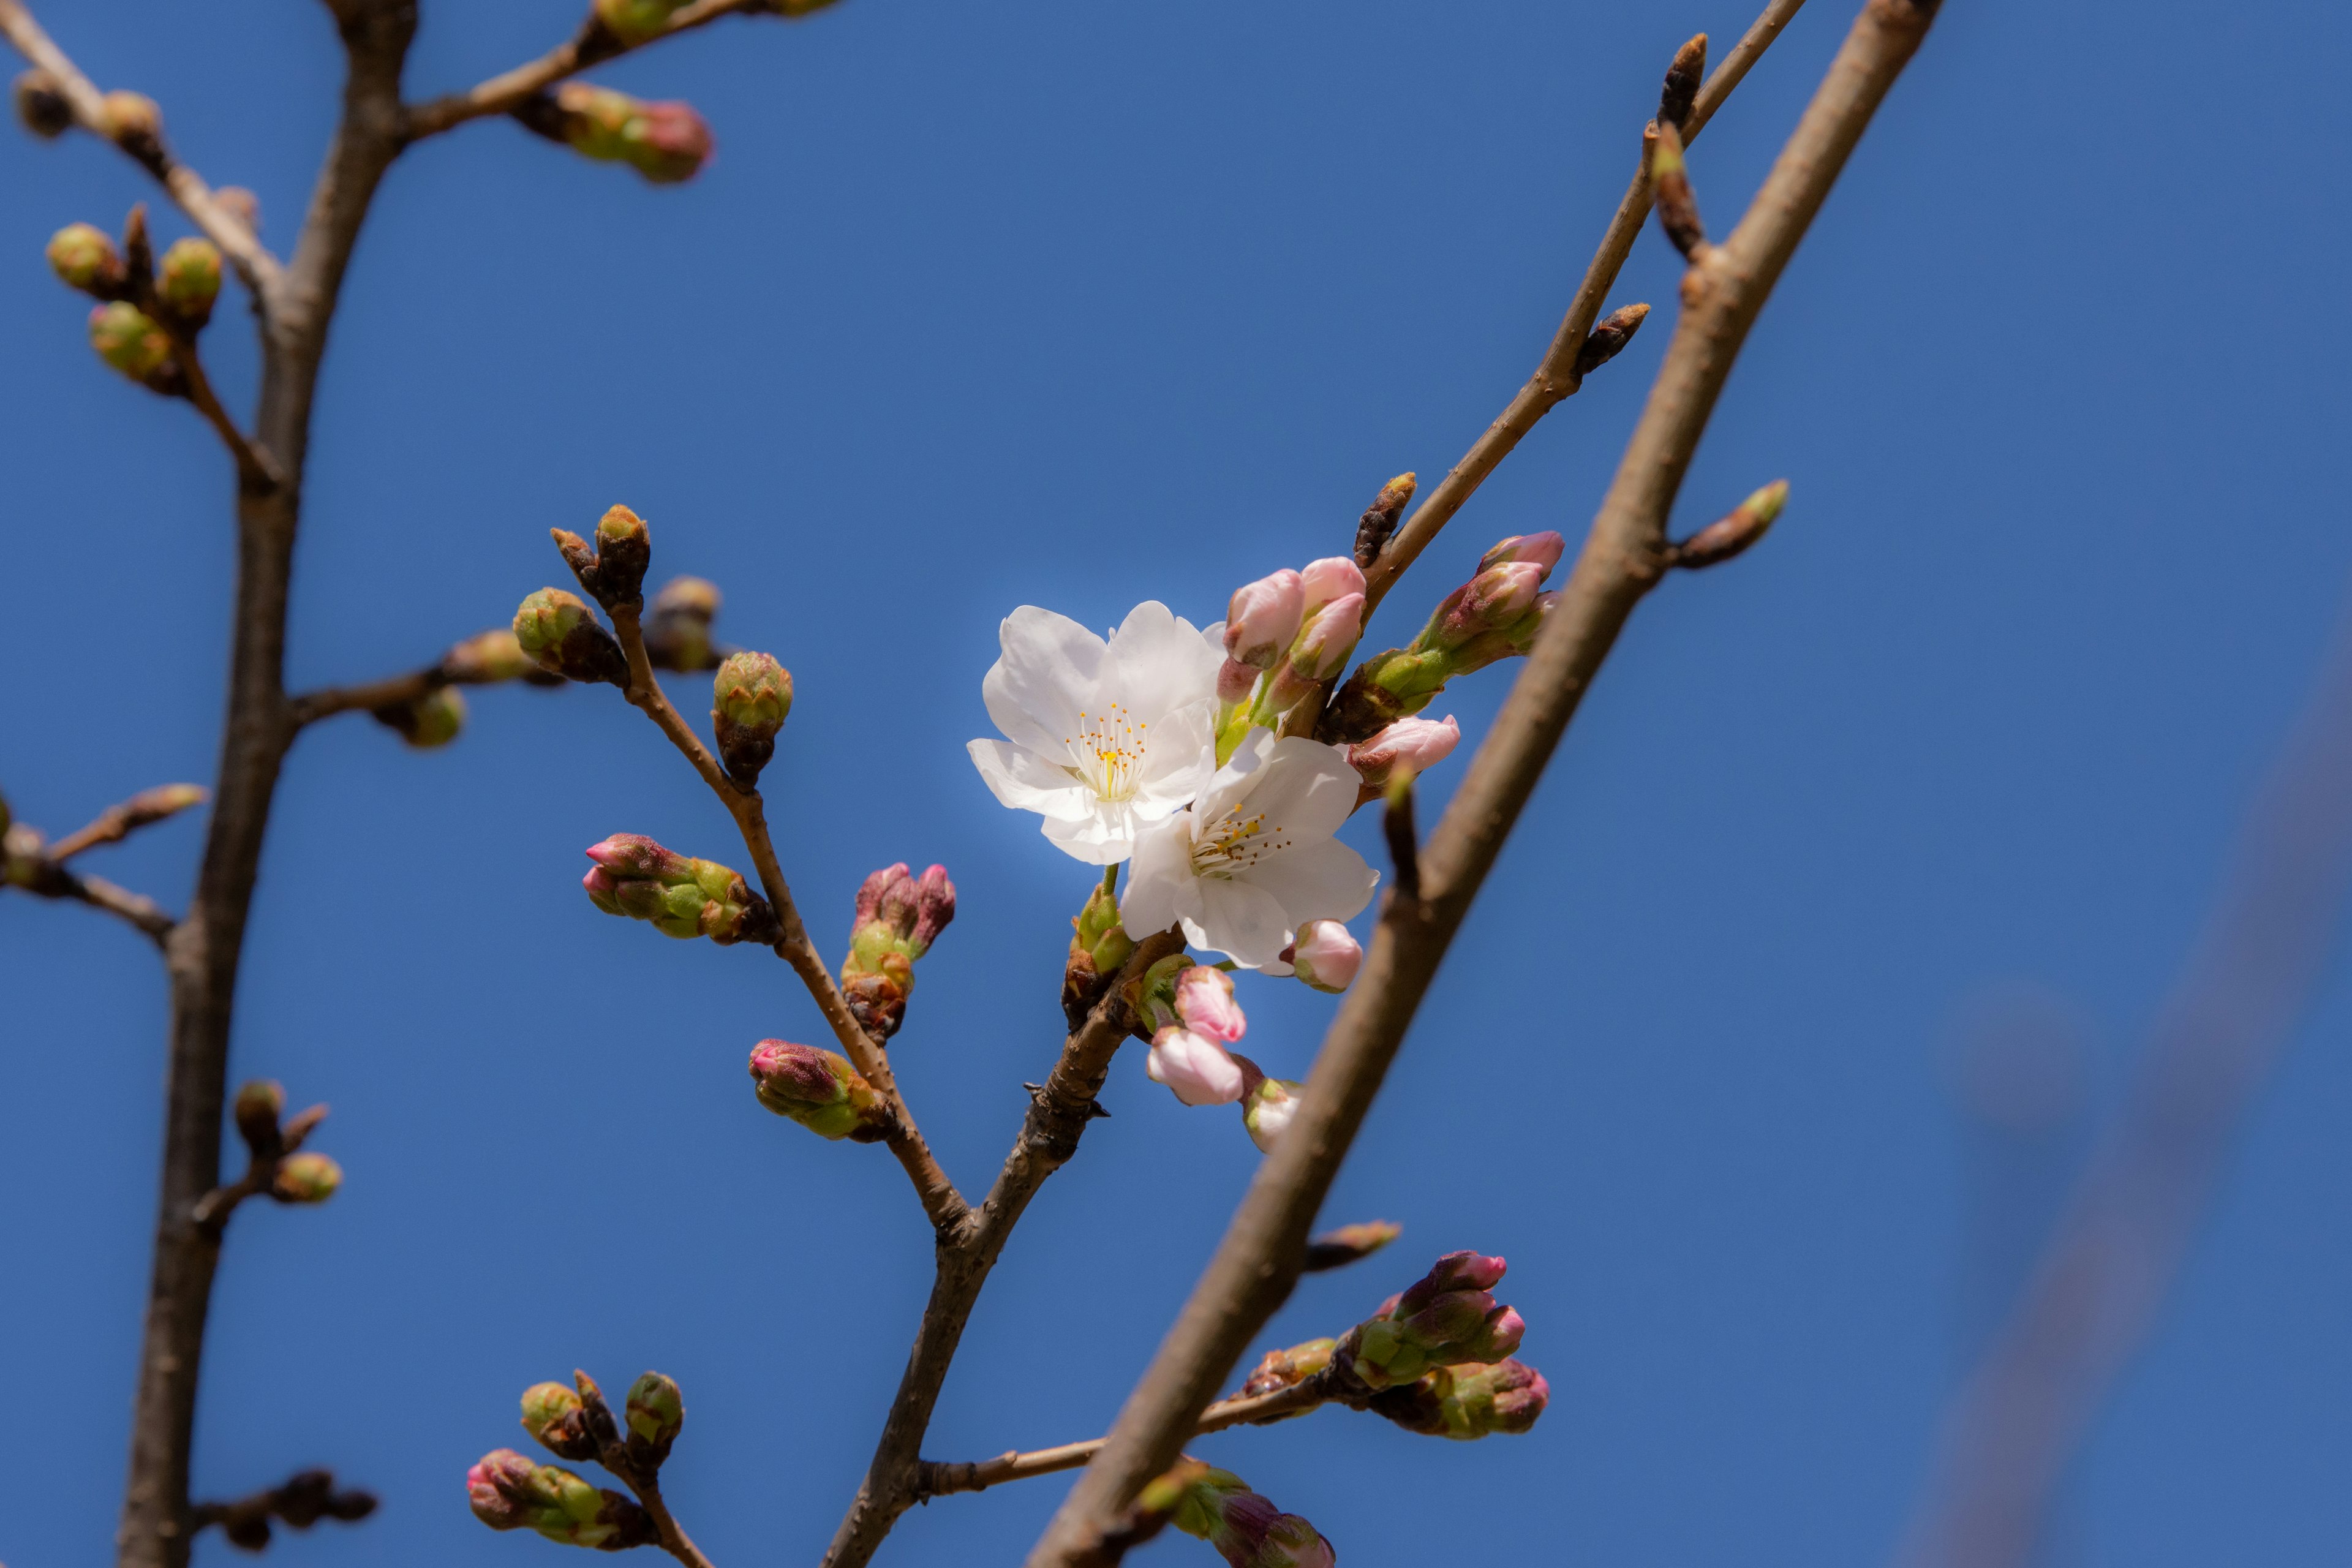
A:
632,22
487,658
433,720
749,698
652,1413
552,1413
127,339
306,1179
83,256
564,635
189,279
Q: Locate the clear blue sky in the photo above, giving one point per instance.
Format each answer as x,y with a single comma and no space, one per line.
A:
1059,303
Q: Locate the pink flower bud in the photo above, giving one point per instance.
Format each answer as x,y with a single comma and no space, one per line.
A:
1235,682
1325,955
1415,745
633,855
1542,549
1262,619
1329,636
935,906
1198,1069
1333,577
1204,1000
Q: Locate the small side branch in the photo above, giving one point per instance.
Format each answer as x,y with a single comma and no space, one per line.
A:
117,823
1241,1409
945,1205
29,863
508,90
307,1497
252,259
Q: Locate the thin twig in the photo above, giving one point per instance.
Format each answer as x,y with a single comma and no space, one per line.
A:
673,1538
243,249
1623,558
122,903
256,471
1556,378
1281,1403
940,1200
117,822
590,46
397,692
2092,1301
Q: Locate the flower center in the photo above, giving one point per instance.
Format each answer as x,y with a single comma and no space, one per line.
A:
1230,842
1109,752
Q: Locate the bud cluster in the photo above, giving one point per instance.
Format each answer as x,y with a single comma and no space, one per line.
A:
678,895
1099,946
614,573
306,1497
1284,634
1495,616
274,1141
507,1491
1447,1317
1468,1401
898,917
1191,1011
749,698
145,308
666,142
819,1090
564,635
1247,1531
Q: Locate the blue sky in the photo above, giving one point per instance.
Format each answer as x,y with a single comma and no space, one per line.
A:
1074,305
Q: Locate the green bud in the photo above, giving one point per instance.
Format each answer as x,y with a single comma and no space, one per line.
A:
634,21
561,633
189,278
84,256
749,698
666,142
819,1090
614,573
128,339
260,1105
1735,532
306,1179
433,720
679,896
553,1416
1468,1401
654,1412
487,658
1285,1368
1098,950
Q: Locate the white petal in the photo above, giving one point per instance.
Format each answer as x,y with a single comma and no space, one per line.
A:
1159,879
1023,780
1246,923
1178,761
1306,789
1104,835
1324,881
1239,776
1047,672
1157,664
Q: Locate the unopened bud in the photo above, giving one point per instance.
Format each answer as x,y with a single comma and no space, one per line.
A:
1235,681
558,631
678,895
1331,579
1380,519
677,627
1609,337
1413,745
1683,80
1735,531
898,917
1349,1244
1490,601
1262,619
1204,1000
1288,1368
1325,955
1198,1069
552,1415
1467,1401
819,1090
507,1491
1099,946
1670,183
654,1412
84,256
189,279
1248,1531
1543,550
1268,1108
127,339
1322,651
306,1179
487,658
131,120
749,698
433,720
666,142
259,1104
1513,641
1447,1317
634,21
42,106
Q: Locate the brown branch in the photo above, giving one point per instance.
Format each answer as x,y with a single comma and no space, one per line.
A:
591,45
307,1497
2092,1301
225,229
1281,1403
673,1538
31,865
117,823
940,1200
1059,1113
1558,378
204,950
397,692
1623,558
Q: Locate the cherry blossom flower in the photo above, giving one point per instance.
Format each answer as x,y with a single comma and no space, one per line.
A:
1254,859
1102,738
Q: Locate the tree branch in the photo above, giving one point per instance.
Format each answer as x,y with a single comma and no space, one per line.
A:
117,823
225,229
591,45
1623,558
39,868
941,1202
1557,378
1252,1409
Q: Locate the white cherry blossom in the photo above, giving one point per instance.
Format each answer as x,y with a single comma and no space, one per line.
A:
1254,859
1101,738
